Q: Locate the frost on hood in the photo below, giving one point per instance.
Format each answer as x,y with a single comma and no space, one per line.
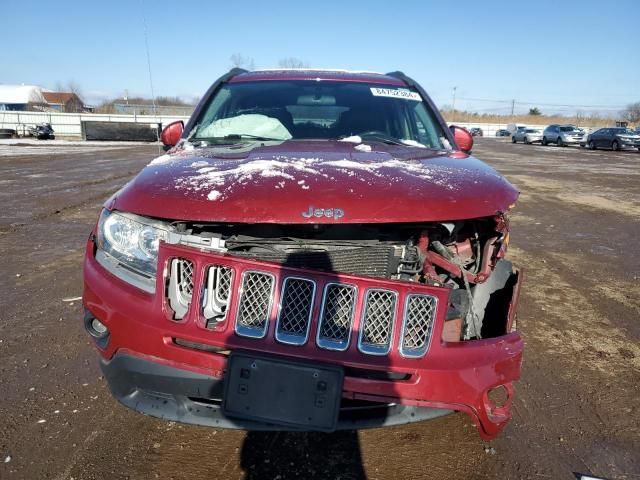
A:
178,154
249,124
412,143
362,148
217,181
351,139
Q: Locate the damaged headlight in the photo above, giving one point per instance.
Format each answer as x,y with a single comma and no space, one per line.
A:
131,240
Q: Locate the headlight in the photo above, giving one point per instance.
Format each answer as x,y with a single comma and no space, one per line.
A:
131,240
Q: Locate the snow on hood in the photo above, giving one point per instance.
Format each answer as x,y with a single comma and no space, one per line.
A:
275,182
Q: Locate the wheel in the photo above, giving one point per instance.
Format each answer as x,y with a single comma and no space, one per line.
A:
592,145
559,141
513,139
615,146
544,141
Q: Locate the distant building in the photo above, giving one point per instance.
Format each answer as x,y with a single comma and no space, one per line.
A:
21,98
65,102
31,98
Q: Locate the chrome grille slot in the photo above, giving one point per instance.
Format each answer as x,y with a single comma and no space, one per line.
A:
376,326
215,298
254,304
180,289
294,315
417,325
336,317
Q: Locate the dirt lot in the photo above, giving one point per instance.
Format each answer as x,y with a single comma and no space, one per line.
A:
576,231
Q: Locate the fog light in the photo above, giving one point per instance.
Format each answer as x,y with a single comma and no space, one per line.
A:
498,396
96,329
99,327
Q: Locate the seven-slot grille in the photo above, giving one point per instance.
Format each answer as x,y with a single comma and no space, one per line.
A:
180,288
215,299
417,325
294,315
376,326
338,305
254,304
295,310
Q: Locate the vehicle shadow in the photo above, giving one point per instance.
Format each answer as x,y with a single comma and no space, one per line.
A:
305,455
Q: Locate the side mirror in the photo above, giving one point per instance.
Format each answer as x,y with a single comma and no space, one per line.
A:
463,138
171,134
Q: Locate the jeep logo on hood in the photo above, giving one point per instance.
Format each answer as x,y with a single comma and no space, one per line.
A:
336,213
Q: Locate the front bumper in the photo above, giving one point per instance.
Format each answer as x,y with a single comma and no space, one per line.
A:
150,371
572,140
183,396
630,143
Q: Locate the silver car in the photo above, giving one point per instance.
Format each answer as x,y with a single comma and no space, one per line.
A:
527,135
562,135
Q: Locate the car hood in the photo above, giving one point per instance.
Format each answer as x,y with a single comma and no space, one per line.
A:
315,182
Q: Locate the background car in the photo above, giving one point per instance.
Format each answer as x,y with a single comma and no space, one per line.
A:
514,127
562,135
527,135
476,132
615,138
503,133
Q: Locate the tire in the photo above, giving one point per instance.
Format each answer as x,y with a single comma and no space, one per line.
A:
559,141
592,145
513,139
615,146
544,141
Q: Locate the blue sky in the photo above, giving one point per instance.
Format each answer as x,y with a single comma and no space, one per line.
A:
563,52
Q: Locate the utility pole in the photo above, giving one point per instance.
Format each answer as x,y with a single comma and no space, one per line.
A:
453,102
513,104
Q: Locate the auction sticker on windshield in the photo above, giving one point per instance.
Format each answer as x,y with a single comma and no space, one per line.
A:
396,93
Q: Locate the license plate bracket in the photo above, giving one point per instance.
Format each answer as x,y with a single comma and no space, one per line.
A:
283,392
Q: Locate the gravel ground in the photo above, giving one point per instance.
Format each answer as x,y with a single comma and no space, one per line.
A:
575,231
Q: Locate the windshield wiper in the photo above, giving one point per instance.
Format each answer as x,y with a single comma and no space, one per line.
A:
382,137
239,136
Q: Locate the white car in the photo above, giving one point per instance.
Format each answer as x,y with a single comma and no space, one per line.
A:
527,135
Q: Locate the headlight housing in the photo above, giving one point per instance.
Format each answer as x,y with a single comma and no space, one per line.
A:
132,241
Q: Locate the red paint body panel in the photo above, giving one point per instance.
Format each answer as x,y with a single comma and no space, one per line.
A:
452,375
389,184
317,75
298,182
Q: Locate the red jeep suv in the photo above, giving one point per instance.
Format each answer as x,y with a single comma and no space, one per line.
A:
316,251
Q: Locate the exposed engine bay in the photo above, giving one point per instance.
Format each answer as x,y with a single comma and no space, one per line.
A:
465,256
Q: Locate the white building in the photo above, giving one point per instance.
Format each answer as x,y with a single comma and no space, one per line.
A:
21,97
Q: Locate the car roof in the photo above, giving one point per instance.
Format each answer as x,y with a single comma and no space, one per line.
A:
317,74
